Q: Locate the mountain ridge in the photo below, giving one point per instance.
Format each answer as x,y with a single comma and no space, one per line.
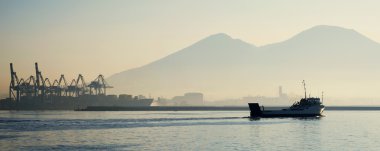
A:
219,65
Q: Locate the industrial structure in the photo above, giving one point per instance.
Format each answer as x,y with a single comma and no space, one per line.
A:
37,86
37,92
191,98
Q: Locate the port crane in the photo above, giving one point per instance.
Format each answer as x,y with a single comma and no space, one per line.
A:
38,86
99,86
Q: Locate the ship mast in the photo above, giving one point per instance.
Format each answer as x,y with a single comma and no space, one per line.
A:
322,96
304,87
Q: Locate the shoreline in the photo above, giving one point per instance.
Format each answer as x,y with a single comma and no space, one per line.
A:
197,108
213,108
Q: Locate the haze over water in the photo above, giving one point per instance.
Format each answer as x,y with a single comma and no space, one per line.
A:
154,46
226,53
202,130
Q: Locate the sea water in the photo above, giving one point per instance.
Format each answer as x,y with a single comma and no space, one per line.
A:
186,130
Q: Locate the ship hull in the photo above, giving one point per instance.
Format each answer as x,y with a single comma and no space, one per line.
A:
290,115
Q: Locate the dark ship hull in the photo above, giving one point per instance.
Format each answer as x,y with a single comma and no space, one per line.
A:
70,103
312,111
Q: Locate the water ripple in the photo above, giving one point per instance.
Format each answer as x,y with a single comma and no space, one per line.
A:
80,124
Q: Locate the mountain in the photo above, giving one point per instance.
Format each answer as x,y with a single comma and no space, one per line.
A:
202,66
221,67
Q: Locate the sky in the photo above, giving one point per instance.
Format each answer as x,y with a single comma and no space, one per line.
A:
90,37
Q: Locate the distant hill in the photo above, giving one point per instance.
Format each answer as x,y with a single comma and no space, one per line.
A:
339,61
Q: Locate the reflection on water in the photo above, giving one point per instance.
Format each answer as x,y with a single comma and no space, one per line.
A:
308,118
187,130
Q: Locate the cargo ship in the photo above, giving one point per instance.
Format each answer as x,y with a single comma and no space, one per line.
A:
38,93
306,107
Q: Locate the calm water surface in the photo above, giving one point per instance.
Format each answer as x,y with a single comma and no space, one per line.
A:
186,130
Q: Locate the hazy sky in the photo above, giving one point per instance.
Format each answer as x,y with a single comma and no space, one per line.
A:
92,37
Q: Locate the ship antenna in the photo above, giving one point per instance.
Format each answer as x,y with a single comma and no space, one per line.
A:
304,87
322,96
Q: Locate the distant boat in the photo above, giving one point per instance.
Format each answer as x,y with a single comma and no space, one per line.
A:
306,107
